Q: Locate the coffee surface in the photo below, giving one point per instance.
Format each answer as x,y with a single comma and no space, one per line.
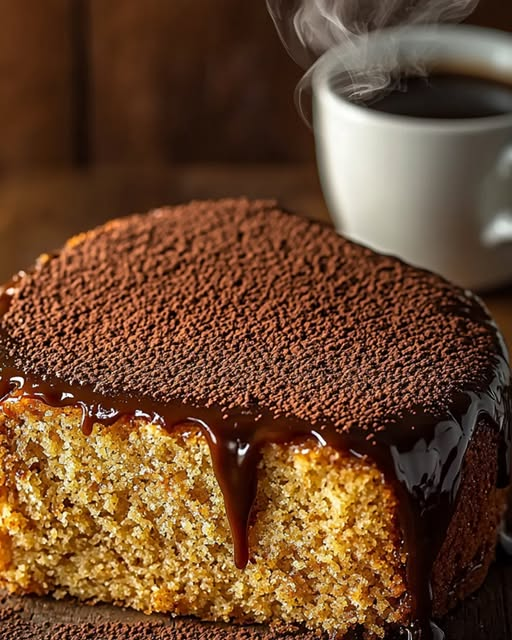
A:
446,96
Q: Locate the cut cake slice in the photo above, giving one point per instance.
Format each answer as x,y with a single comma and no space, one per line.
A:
226,411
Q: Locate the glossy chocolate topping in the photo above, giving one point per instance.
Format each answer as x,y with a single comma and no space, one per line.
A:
260,326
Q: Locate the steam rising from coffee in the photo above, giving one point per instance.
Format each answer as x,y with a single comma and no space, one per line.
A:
309,28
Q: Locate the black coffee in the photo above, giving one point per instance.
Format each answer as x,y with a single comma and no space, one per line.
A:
447,95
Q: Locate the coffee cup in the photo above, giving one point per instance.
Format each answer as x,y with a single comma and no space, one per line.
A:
434,191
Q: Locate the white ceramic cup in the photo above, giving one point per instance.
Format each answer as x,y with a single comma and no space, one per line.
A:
437,193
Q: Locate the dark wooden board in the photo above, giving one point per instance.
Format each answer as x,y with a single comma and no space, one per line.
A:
191,81
36,90
484,616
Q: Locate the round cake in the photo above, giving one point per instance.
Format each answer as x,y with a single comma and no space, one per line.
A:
226,411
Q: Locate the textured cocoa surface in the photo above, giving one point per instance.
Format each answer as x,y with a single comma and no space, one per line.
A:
235,304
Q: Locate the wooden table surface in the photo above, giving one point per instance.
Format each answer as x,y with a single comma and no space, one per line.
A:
39,211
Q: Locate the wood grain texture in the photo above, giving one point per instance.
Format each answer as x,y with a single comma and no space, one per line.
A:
493,13
89,81
201,81
35,84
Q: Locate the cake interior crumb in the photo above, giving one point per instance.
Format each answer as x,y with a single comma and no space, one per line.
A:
134,515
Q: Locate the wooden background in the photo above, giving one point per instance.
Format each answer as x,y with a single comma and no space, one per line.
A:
154,81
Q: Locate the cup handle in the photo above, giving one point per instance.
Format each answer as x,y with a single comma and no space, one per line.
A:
498,230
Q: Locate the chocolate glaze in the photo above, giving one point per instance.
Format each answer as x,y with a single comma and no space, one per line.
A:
418,446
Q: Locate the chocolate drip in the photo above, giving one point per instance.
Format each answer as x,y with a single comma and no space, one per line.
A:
419,454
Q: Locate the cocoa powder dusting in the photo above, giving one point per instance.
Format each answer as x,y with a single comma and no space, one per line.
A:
237,304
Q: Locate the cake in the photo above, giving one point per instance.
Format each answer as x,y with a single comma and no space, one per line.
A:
225,411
